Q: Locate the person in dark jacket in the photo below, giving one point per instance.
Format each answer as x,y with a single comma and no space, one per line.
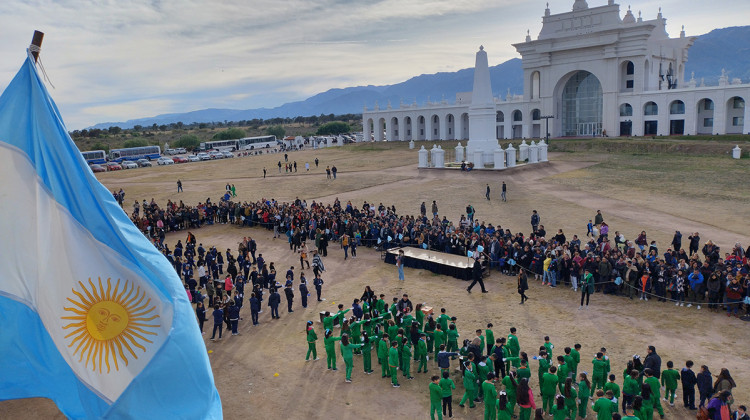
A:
476,273
688,379
273,301
233,311
254,308
704,380
653,361
523,286
357,310
677,241
218,316
200,312
289,293
303,292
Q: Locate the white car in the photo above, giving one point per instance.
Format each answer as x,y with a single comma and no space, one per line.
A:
129,164
193,158
181,150
216,154
171,152
227,154
165,161
204,156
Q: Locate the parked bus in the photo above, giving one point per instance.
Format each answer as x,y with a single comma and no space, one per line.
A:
95,156
135,153
247,143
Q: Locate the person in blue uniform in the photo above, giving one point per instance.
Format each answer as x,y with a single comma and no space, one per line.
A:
273,301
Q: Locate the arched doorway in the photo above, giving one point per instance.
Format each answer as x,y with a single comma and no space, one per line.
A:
517,124
735,115
407,128
582,106
450,127
380,130
626,122
393,135
705,117
677,118
435,134
500,120
420,128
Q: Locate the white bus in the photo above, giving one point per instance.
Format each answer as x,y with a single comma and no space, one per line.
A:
135,153
246,143
95,156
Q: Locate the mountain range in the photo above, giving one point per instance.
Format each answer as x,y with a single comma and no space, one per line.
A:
727,48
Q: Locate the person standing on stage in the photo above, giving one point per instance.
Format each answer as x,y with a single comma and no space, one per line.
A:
400,264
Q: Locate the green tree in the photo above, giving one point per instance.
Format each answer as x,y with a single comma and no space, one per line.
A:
114,130
336,127
135,143
230,134
100,146
188,141
277,131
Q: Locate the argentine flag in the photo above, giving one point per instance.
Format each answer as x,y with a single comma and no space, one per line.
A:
93,316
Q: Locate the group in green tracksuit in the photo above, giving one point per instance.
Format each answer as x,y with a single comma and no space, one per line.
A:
439,338
436,397
513,346
646,402
559,411
669,379
543,367
604,406
570,394
599,376
406,358
562,373
383,356
452,338
490,337
510,384
367,351
311,339
393,362
584,393
613,387
447,385
346,352
330,342
653,383
505,408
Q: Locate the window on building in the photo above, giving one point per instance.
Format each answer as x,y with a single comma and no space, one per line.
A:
677,107
739,103
626,110
708,105
630,69
708,122
536,115
651,109
738,121
629,84
500,117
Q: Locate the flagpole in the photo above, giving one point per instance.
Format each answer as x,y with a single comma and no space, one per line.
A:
36,41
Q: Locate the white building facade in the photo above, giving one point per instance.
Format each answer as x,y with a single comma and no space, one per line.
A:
594,73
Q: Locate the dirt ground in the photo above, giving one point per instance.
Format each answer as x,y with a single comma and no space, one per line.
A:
245,366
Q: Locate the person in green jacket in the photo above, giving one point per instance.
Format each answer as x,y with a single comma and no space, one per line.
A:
570,361
406,358
419,315
470,385
523,371
346,352
647,402
655,391
562,373
630,388
490,338
383,356
612,386
504,407
575,353
604,406
367,352
543,366
330,342
439,338
630,413
490,397
584,392
548,346
447,385
328,321
478,332
549,387
452,338
380,304
559,411
429,329
600,371
436,396
510,384
669,378
421,353
443,320
340,314
311,339
393,362
570,394
513,345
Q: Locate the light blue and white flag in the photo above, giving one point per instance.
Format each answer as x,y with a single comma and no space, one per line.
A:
93,316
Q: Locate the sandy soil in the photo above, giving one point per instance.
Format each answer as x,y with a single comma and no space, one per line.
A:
244,366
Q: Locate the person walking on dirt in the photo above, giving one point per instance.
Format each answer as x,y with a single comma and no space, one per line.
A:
179,186
487,192
503,192
535,220
477,276
400,264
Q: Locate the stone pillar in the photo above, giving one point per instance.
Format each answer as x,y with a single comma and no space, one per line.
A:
523,151
508,128
459,153
439,158
533,152
478,160
542,151
499,155
433,155
367,129
510,155
526,129
746,124
411,144
423,160
736,152
389,128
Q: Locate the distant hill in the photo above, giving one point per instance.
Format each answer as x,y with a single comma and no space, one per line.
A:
727,48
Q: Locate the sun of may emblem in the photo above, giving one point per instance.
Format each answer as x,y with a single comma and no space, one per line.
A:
107,324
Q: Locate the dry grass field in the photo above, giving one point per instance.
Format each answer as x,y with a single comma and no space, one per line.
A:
653,193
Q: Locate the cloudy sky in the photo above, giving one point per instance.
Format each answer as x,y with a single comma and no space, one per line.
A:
113,60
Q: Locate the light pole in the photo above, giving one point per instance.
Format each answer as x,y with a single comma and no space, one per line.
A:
546,119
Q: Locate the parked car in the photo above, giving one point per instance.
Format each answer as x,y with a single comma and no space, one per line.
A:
113,166
97,168
165,161
204,156
129,164
216,154
171,152
193,158
144,163
181,150
179,159
227,154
